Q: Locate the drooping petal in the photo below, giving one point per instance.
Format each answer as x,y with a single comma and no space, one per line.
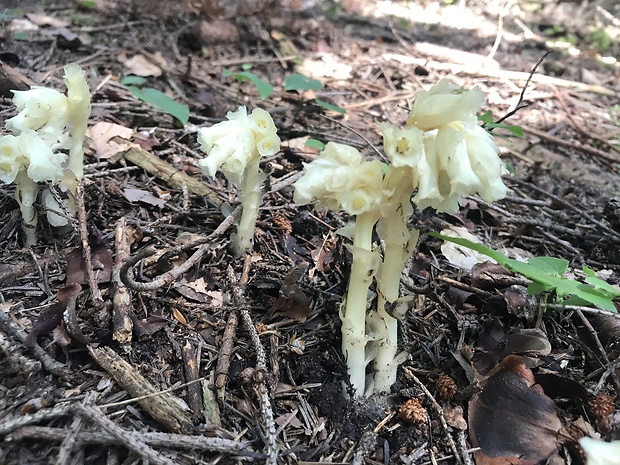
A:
441,105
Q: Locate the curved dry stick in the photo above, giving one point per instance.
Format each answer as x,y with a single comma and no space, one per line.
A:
163,280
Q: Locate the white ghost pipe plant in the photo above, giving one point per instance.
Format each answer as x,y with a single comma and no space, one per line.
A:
46,144
235,147
445,155
340,179
441,156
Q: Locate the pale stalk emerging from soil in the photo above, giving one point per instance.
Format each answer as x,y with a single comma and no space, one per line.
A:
251,197
363,268
399,242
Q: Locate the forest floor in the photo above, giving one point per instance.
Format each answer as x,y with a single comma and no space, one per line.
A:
195,371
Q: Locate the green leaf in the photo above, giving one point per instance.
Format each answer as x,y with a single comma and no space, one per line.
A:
543,271
329,106
550,265
162,101
264,88
87,4
132,80
315,144
246,66
486,118
300,82
514,130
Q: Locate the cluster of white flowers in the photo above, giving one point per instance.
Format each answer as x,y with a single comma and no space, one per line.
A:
442,155
450,154
231,145
235,147
340,179
45,144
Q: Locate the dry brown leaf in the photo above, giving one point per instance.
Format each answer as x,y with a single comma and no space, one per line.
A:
511,419
102,133
142,66
179,317
139,195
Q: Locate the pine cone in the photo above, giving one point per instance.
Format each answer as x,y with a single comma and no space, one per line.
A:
282,223
446,387
602,406
413,412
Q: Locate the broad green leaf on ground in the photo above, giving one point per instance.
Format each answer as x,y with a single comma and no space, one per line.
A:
162,101
264,88
132,80
300,82
546,274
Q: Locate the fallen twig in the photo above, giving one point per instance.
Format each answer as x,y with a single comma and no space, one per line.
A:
86,252
128,439
168,440
56,368
168,277
122,308
164,407
260,374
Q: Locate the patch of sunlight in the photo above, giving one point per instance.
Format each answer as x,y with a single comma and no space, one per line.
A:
436,13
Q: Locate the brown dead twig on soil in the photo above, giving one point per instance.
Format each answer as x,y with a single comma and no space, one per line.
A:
260,373
560,98
54,367
167,440
164,407
86,252
16,428
165,279
122,308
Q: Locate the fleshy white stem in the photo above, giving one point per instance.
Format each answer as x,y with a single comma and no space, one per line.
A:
363,268
399,242
26,191
251,198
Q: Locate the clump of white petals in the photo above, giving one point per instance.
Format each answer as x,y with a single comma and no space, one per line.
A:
231,145
340,179
235,147
46,144
454,157
600,452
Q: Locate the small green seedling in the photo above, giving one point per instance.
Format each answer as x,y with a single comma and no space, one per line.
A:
315,144
546,274
299,82
156,98
264,88
489,124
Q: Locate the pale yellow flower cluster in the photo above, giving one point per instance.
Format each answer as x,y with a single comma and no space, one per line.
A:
340,179
235,147
231,145
449,154
45,144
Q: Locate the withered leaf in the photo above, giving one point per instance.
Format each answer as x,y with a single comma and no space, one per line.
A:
292,301
51,317
511,419
102,261
495,344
